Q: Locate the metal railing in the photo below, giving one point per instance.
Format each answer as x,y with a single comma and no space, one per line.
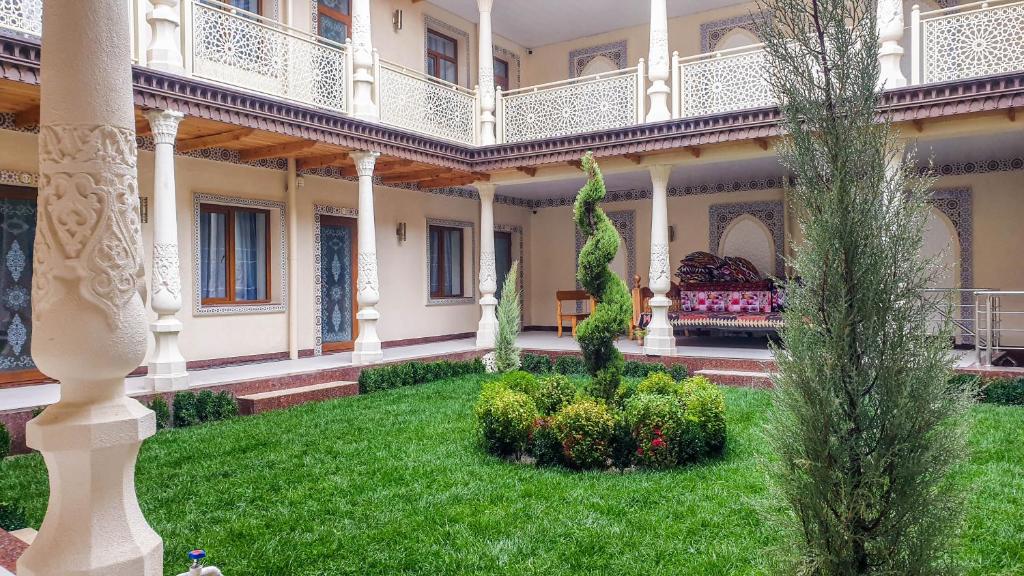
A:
585,104
414,101
723,81
24,16
1000,320
240,48
967,41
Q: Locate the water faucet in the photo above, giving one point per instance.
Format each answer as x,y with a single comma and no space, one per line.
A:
197,568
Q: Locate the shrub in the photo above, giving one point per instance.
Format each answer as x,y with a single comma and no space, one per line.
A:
626,391
5,442
185,410
412,373
504,419
570,365
623,444
224,406
658,383
1004,391
544,443
660,430
12,517
536,363
679,372
506,355
553,393
204,406
637,369
163,412
584,429
705,409
520,381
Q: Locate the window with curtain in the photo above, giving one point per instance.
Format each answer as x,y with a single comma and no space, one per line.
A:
234,255
334,19
501,73
446,258
442,57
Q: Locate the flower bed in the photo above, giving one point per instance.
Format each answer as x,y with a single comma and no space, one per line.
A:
655,423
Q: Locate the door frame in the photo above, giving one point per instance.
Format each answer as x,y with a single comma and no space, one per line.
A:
31,376
351,224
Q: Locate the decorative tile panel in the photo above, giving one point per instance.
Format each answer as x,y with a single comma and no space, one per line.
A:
614,51
711,33
771,214
318,304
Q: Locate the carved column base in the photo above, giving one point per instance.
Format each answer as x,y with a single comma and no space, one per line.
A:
488,125
362,96
167,370
367,348
660,339
659,93
890,74
93,525
487,330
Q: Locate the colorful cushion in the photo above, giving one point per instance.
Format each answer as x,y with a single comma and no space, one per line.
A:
743,269
698,267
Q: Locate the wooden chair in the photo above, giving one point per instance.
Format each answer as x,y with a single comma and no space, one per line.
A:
572,317
641,297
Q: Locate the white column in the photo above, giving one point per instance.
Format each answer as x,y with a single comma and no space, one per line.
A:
890,53
487,331
660,340
167,365
163,52
293,260
657,63
89,316
486,79
367,347
363,105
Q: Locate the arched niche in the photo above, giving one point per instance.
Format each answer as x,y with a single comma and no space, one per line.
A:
737,38
769,214
748,237
598,65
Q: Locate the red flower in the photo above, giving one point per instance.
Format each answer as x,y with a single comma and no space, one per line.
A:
657,443
657,431
639,451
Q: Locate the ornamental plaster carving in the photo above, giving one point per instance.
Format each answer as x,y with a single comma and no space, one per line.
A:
365,162
164,124
90,227
165,270
613,51
488,272
659,273
711,33
367,283
658,64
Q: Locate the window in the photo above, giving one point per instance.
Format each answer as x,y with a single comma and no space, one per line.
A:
502,259
334,19
442,57
446,258
247,5
234,249
501,73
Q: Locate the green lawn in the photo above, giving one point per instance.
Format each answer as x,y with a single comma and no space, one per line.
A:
391,483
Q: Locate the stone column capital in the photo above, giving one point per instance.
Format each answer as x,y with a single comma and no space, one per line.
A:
485,190
164,124
660,174
484,5
364,161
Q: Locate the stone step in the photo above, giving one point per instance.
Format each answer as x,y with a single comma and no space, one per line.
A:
738,378
287,397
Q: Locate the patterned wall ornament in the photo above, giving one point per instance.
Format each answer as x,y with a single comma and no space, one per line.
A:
318,211
19,178
460,36
89,190
281,302
468,230
614,51
957,205
720,216
711,33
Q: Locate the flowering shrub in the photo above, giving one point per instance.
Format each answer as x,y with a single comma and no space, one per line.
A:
585,430
705,409
553,393
660,429
504,419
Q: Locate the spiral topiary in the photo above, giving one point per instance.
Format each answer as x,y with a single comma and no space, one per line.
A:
611,316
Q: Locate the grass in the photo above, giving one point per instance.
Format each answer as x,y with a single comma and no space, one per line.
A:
392,483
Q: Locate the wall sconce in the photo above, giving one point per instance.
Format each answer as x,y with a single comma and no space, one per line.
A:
671,233
400,232
396,20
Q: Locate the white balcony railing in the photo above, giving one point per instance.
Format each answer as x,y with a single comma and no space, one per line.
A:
256,53
585,104
414,101
967,41
22,16
722,81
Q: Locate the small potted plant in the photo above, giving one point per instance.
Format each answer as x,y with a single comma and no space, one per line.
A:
640,334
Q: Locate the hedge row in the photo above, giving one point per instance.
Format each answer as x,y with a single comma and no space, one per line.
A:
572,365
413,373
191,408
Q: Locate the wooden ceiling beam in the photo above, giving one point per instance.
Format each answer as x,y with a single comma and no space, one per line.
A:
415,176
918,125
444,182
577,164
694,151
763,143
213,140
27,117
1012,114
389,165
634,158
312,162
530,171
276,151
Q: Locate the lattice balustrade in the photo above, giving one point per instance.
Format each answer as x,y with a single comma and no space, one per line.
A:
717,84
423,105
596,103
22,16
239,49
979,42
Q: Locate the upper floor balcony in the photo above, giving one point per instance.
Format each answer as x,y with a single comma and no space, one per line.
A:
321,53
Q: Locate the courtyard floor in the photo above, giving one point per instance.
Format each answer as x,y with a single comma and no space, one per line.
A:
393,483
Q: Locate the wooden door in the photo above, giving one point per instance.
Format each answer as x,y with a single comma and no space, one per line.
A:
17,239
338,274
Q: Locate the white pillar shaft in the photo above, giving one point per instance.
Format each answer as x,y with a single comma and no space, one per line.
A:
486,76
367,346
487,330
660,340
657,62
89,318
293,264
164,52
890,53
167,366
363,105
